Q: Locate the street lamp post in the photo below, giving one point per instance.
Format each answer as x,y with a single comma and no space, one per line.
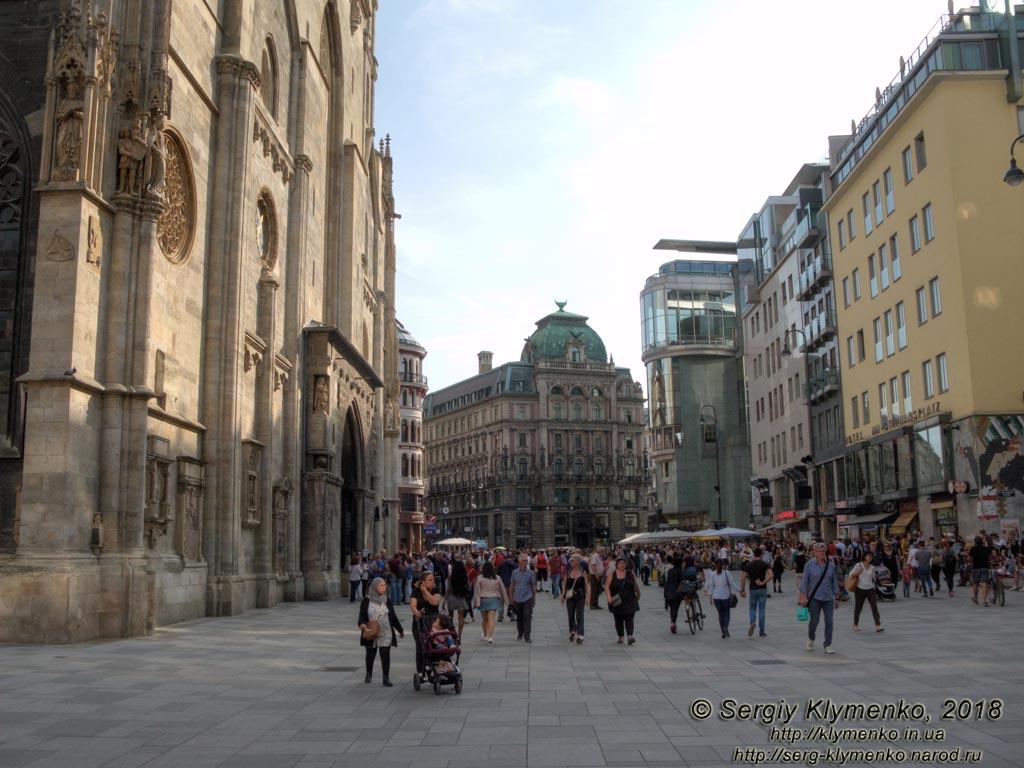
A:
718,464
787,351
1014,176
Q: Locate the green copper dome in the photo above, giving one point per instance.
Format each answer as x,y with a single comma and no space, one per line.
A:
564,336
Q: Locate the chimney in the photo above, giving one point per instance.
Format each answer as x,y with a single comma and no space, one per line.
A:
484,359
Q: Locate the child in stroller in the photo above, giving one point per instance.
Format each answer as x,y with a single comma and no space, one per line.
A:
440,655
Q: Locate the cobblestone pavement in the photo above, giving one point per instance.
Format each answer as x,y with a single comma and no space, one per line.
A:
284,687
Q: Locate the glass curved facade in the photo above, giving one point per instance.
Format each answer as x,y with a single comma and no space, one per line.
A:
703,313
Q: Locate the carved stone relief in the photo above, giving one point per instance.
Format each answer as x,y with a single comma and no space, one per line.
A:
158,497
93,254
282,495
190,509
251,486
59,248
321,395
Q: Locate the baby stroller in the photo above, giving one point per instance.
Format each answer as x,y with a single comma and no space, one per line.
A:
441,653
885,588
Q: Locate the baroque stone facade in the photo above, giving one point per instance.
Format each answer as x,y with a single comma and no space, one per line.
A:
547,451
207,391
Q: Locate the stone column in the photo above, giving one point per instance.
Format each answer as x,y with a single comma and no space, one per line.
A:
237,80
264,431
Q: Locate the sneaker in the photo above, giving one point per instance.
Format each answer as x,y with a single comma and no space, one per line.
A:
572,636
490,640
672,629
620,641
810,645
828,649
750,630
762,634
483,636
631,640
579,640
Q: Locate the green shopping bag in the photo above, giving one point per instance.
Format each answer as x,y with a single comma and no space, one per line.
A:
802,614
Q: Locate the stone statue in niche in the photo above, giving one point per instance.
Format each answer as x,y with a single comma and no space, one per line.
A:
155,169
132,148
193,525
92,254
321,395
68,146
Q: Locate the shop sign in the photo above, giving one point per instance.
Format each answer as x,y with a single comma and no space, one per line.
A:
896,421
788,514
960,486
841,519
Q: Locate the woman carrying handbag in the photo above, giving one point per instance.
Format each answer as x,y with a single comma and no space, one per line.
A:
623,594
723,589
379,629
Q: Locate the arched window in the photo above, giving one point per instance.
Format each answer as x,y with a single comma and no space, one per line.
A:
577,412
405,431
405,366
405,465
405,400
558,467
630,468
577,468
268,78
577,392
557,390
599,468
597,411
522,469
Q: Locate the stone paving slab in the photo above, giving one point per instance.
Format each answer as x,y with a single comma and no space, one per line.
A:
256,691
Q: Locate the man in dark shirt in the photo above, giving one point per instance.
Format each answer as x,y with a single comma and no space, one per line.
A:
979,555
505,571
759,573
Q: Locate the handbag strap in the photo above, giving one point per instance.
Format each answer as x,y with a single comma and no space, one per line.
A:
821,579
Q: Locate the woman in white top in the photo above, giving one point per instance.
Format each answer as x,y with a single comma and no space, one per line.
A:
355,580
864,571
722,586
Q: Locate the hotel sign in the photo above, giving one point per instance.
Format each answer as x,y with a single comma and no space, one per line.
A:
894,422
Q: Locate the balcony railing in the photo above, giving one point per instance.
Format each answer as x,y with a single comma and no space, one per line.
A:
820,329
821,386
414,378
802,226
817,273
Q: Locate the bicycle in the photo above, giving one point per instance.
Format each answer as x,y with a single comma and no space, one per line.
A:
694,612
997,593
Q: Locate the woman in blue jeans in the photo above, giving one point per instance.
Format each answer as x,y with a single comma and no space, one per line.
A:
722,586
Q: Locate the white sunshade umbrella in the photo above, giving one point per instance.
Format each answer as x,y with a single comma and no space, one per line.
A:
454,543
633,538
722,533
670,535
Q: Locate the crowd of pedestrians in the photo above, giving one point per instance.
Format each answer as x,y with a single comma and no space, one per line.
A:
498,584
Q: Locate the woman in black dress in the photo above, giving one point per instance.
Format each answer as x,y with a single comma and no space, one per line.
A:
623,594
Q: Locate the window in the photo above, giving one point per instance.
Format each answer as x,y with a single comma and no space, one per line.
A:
876,198
922,309
883,409
872,276
522,439
883,266
890,348
908,404
940,363
929,223
860,346
577,412
849,349
523,469
901,326
933,290
558,440
878,340
521,413
596,411
894,396
890,203
929,384
865,401
846,291
856,284
866,204
851,228
556,412
842,234
919,153
908,166
894,247
915,235
855,409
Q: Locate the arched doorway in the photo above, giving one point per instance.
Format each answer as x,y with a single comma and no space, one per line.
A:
351,475
583,532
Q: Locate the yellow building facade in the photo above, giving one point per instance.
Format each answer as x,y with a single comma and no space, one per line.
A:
926,243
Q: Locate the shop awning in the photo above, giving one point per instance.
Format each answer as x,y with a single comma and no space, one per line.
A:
865,521
904,520
942,504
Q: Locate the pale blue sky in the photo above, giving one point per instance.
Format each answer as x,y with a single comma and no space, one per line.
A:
542,147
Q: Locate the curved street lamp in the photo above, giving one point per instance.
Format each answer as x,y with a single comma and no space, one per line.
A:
1014,176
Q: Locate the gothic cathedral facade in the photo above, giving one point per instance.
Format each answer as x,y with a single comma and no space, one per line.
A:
198,355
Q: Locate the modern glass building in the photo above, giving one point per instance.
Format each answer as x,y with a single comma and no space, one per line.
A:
693,353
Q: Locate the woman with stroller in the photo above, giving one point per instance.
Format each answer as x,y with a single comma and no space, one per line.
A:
489,595
576,597
864,572
379,629
424,603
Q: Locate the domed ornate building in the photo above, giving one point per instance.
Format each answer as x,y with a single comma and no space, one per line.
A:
546,451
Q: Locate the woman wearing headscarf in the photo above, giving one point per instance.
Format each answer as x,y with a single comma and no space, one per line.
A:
722,587
377,607
457,594
623,594
424,604
576,596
